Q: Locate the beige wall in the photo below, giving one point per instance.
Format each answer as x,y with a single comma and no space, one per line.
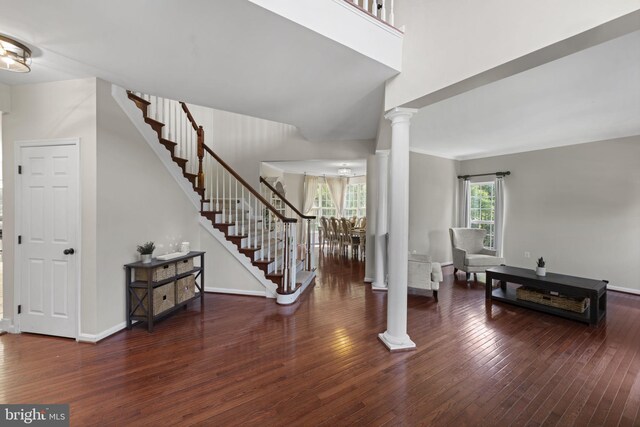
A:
432,205
137,201
578,206
5,98
65,109
448,41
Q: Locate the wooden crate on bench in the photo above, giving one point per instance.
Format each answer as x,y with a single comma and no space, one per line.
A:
552,299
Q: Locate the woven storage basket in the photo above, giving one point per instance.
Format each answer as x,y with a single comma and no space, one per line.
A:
185,266
164,297
578,305
158,274
185,288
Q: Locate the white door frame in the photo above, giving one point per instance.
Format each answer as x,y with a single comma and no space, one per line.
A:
17,270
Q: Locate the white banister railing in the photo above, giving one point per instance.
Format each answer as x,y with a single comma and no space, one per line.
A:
290,211
250,221
381,9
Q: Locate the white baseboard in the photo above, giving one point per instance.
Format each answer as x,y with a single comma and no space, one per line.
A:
94,338
7,326
368,280
625,290
235,292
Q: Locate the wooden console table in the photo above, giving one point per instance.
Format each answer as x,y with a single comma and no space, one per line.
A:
140,294
595,290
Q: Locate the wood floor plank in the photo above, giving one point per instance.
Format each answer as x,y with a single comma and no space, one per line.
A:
246,361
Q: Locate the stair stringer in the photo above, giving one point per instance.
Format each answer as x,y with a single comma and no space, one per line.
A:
151,137
270,287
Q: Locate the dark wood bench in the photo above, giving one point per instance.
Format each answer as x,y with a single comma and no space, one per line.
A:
578,287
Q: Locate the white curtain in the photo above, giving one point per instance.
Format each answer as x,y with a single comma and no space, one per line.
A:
463,210
310,191
337,191
499,214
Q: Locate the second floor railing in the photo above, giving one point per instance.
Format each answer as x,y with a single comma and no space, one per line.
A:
381,9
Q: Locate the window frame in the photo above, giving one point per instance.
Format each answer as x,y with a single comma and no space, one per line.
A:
490,238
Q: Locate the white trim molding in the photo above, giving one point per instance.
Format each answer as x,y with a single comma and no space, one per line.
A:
235,291
7,325
94,338
624,290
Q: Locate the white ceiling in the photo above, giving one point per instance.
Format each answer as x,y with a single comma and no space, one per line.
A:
229,55
321,167
591,95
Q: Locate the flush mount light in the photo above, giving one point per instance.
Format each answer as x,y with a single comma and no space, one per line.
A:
344,172
14,56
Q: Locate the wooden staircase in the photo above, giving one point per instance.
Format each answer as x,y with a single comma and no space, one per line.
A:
232,221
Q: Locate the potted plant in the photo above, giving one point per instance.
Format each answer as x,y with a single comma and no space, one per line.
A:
146,250
540,269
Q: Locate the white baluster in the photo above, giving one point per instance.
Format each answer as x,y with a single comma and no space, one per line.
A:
383,11
275,228
243,218
223,194
392,16
229,201
268,233
263,223
235,197
255,224
217,187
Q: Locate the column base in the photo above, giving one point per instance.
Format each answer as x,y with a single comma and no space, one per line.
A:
368,280
395,344
378,287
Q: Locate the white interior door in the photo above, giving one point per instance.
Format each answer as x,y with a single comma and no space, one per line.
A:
48,224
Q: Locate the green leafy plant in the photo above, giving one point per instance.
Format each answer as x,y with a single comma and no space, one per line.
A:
541,262
147,248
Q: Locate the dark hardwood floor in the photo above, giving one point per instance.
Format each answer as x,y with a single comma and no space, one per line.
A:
247,361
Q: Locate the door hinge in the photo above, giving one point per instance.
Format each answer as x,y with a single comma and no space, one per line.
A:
19,309
19,240
19,170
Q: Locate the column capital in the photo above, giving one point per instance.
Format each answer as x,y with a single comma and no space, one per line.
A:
398,114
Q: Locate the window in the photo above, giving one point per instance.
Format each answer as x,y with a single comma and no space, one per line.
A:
323,205
482,204
356,200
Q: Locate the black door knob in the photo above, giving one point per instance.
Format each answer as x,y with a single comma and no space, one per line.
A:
69,251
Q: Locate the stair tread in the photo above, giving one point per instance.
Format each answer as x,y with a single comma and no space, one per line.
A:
133,96
167,141
251,249
237,236
224,224
179,159
149,119
210,212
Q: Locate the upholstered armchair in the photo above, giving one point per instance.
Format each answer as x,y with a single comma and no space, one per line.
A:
424,274
469,253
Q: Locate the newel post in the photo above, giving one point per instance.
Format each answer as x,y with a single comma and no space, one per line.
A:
200,133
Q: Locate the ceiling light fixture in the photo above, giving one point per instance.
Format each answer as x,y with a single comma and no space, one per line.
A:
344,172
14,56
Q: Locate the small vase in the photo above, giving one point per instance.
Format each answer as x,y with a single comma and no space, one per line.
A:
541,271
146,258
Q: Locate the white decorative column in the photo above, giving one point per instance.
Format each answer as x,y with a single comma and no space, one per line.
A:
372,196
382,170
395,337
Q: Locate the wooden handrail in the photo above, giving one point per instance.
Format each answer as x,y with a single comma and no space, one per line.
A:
189,116
227,167
248,187
288,203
